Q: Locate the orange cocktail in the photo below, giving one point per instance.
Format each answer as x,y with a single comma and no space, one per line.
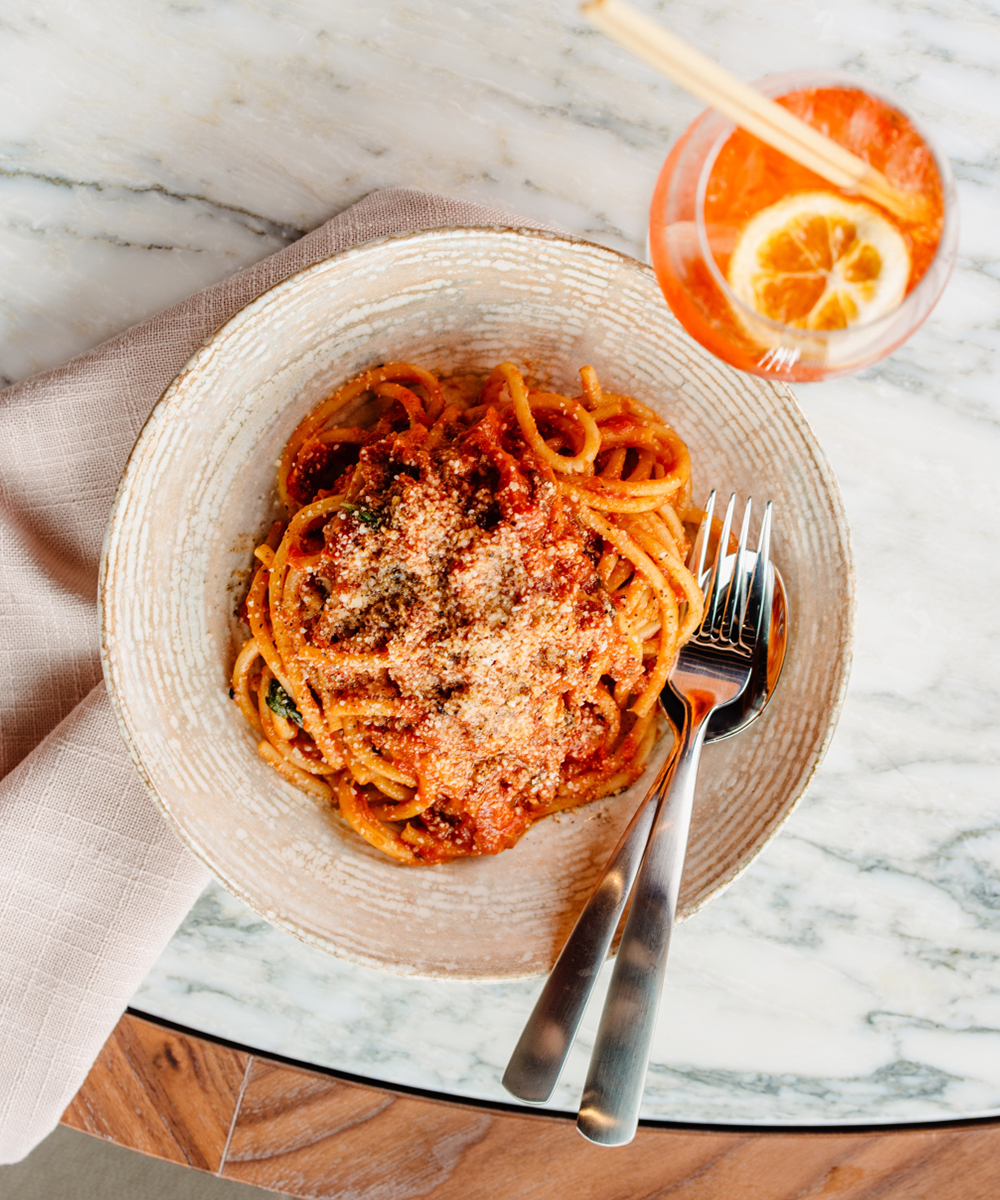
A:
781,273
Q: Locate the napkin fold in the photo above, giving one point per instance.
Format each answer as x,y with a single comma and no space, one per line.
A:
93,882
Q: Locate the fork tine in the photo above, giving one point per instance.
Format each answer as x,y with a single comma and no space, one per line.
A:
734,609
713,601
700,548
760,582
764,541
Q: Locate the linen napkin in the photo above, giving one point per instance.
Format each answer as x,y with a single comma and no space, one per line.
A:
93,882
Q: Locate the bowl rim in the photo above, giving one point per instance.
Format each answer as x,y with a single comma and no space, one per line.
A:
160,412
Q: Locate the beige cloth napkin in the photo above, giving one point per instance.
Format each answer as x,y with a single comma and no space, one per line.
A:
92,881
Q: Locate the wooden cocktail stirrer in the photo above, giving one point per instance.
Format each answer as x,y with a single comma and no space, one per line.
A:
756,113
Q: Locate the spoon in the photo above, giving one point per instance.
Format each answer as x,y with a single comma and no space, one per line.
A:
545,1042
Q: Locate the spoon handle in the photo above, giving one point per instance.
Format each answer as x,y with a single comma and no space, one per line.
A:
548,1035
609,1113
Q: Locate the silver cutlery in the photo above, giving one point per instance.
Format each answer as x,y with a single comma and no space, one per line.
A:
741,640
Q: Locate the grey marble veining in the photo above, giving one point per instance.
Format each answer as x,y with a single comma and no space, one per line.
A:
853,974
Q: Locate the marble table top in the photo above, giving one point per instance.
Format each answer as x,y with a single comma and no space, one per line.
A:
853,974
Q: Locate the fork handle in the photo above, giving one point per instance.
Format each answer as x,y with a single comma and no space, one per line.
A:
609,1113
549,1032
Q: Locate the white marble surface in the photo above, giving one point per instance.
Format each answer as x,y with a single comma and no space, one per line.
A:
854,973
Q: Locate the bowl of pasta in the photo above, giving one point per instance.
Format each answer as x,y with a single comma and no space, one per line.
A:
395,575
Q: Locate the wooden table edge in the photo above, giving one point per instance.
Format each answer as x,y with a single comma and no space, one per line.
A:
303,1131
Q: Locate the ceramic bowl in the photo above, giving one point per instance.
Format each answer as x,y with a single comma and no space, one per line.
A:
199,490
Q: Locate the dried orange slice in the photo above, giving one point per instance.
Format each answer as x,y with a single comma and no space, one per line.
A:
817,261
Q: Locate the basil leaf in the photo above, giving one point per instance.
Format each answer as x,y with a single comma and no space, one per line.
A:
364,515
279,701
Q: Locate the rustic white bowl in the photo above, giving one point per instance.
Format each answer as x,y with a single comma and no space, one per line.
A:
199,489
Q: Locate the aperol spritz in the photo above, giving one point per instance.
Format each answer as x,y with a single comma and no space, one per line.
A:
781,273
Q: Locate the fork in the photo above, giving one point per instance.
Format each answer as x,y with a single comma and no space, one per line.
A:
712,669
549,1032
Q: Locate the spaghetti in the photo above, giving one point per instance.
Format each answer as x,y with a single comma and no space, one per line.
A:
466,621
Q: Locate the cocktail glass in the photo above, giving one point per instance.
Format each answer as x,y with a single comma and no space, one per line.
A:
717,177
